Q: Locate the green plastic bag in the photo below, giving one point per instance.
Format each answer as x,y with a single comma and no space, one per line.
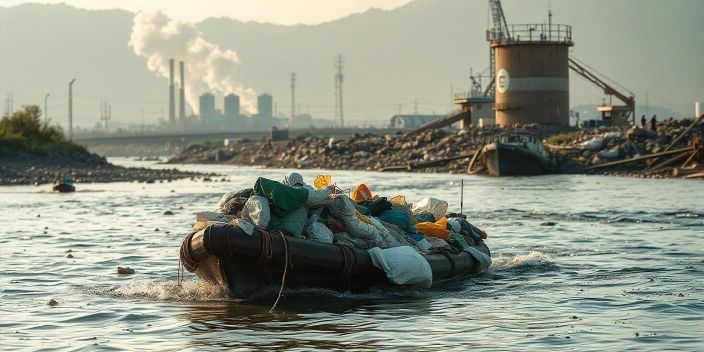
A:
283,199
292,223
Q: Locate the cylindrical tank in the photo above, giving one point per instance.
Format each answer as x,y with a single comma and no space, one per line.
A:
532,80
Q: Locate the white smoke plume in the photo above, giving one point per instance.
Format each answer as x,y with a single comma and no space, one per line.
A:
208,68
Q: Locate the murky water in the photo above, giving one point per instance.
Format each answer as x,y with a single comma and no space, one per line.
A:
621,269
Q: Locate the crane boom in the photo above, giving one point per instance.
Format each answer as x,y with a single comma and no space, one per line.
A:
608,89
498,31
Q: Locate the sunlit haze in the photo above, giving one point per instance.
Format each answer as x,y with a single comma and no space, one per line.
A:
271,11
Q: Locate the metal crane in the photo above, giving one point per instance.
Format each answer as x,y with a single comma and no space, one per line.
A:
608,89
497,32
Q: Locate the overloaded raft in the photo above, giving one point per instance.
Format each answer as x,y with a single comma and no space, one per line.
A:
296,235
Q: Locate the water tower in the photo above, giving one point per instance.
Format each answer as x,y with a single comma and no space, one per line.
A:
530,63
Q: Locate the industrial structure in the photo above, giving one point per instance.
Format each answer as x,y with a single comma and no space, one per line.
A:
529,68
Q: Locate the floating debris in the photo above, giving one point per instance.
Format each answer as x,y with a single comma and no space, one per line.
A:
125,270
52,302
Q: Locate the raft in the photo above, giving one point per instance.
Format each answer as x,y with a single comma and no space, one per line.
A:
63,187
245,264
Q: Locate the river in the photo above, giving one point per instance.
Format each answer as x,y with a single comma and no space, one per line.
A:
621,269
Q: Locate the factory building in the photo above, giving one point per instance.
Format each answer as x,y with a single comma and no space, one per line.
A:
206,107
265,106
232,106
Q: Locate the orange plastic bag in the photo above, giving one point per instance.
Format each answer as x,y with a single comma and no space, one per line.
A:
361,193
435,229
322,181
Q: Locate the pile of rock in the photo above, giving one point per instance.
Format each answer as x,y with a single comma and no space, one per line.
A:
573,149
85,167
357,152
591,147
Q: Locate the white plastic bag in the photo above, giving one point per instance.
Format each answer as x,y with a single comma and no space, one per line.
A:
435,206
293,179
343,209
318,196
593,144
319,232
256,210
403,265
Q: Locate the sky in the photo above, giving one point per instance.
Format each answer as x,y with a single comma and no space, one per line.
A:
271,11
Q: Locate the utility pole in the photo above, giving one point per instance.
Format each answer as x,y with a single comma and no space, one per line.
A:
70,109
339,78
46,109
293,95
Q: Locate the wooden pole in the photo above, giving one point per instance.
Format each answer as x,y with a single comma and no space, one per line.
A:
681,136
640,158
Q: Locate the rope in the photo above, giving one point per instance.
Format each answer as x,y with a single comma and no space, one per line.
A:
350,260
444,252
283,277
266,252
185,258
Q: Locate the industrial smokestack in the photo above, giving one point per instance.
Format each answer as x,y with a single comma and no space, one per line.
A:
172,105
181,94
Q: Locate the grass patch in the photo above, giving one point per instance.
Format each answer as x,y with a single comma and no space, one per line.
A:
562,138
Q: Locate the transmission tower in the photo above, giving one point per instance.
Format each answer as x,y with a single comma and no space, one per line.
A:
339,78
9,108
105,114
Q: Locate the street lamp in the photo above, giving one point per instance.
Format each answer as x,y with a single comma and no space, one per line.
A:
70,109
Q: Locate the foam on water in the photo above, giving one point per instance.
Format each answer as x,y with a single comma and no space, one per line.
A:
190,291
534,259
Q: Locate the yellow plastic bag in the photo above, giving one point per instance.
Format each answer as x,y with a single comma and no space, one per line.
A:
436,229
399,199
322,181
361,193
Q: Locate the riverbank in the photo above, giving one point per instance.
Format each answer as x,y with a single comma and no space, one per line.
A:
440,151
34,152
85,167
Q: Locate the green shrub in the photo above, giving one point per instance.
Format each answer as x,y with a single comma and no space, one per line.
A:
24,132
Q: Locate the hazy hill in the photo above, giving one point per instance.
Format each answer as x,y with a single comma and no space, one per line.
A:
392,57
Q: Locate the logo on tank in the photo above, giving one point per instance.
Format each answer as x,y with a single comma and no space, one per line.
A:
502,81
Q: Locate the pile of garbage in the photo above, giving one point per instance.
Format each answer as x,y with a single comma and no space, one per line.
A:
601,149
323,212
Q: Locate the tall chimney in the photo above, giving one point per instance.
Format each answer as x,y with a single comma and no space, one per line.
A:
172,107
181,94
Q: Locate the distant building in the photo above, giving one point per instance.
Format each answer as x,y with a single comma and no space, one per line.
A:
411,121
232,107
206,106
265,106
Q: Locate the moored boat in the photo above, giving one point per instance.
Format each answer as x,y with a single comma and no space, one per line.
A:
517,154
63,185
244,264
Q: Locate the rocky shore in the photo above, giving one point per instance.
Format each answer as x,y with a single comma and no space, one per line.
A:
573,150
25,169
